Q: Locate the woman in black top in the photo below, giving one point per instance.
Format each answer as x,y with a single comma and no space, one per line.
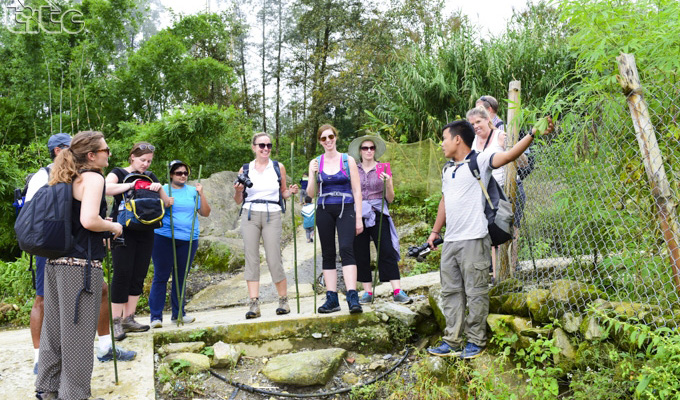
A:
131,262
71,307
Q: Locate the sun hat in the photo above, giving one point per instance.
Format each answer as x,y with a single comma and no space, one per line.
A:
380,146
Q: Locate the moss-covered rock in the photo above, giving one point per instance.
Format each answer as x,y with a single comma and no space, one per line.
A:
495,304
369,339
574,293
566,357
219,257
516,304
306,368
434,296
595,355
500,325
537,304
570,322
193,363
511,285
592,330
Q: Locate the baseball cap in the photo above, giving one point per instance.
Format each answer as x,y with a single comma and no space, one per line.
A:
59,140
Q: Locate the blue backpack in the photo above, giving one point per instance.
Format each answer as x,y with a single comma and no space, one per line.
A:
141,209
308,216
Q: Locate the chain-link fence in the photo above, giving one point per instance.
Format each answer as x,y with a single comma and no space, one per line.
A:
592,226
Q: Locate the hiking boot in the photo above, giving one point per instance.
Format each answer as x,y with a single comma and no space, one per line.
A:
353,302
284,308
46,395
471,351
402,297
118,331
156,323
130,325
186,319
331,304
254,311
366,298
121,355
445,350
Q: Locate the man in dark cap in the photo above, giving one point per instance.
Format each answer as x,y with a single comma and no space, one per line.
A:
56,144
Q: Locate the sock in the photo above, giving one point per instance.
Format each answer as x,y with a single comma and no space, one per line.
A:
396,291
104,343
370,293
36,355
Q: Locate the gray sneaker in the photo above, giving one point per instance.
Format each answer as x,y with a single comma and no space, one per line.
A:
187,319
366,298
254,310
402,297
130,325
283,306
118,331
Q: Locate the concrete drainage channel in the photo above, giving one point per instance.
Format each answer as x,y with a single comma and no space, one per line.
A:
299,357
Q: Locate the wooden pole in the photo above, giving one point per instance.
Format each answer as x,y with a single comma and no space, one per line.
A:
653,160
514,95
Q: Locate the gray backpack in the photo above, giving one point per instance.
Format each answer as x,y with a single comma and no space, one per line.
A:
497,208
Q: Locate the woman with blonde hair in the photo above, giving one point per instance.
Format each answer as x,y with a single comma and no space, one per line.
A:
67,340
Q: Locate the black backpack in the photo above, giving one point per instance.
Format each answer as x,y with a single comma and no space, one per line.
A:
20,193
43,227
141,209
497,208
277,169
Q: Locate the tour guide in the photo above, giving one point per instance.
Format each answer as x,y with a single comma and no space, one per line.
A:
467,246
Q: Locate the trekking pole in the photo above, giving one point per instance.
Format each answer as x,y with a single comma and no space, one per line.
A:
172,237
113,336
292,214
377,257
180,317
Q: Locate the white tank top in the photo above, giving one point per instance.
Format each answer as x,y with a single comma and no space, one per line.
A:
265,187
493,147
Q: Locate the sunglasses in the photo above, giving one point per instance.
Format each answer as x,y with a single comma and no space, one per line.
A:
147,147
263,145
329,137
106,150
181,173
367,148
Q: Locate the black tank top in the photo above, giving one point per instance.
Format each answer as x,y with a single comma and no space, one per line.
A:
80,234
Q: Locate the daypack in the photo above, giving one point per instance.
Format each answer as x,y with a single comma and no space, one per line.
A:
141,209
308,216
277,169
20,193
43,227
345,165
497,208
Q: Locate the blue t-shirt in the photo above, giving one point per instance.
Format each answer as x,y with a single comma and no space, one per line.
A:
182,213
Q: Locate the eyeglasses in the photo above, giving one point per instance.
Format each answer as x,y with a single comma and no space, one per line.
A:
106,150
367,148
329,137
181,173
149,147
263,145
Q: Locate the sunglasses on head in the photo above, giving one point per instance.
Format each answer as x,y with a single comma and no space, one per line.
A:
263,145
106,150
367,148
147,147
181,173
329,137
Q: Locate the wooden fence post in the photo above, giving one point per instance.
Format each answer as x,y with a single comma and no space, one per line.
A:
653,160
512,129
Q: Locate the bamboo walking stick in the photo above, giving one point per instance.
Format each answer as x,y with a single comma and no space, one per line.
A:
113,336
172,236
316,198
377,257
180,315
292,214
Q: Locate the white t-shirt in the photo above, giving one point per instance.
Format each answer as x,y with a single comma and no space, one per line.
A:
38,180
493,147
265,187
464,200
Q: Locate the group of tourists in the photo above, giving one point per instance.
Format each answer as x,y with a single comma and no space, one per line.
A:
351,191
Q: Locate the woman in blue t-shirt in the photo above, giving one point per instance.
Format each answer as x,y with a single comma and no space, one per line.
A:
183,217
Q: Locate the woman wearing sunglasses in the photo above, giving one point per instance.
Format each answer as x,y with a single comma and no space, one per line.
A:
131,262
262,206
338,208
184,197
367,149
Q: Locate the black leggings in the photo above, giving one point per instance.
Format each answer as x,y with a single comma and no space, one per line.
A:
130,265
388,265
327,221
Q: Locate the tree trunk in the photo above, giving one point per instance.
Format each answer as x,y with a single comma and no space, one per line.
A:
278,80
264,73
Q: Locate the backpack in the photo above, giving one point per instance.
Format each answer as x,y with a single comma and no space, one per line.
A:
277,169
345,165
497,208
43,227
308,216
141,209
20,193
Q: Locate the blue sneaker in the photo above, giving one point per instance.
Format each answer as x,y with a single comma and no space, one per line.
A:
121,355
402,297
366,298
444,350
471,351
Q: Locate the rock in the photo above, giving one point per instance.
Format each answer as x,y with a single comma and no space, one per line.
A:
225,355
372,339
535,333
377,365
500,324
220,255
166,388
305,368
638,310
496,373
496,304
350,378
591,329
506,287
435,299
403,314
317,335
387,356
537,304
182,347
516,304
197,362
566,349
422,308
435,366
574,293
362,359
571,322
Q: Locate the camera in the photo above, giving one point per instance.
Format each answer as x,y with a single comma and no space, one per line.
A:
117,242
244,180
421,251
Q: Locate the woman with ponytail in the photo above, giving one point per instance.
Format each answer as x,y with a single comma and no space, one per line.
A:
67,340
